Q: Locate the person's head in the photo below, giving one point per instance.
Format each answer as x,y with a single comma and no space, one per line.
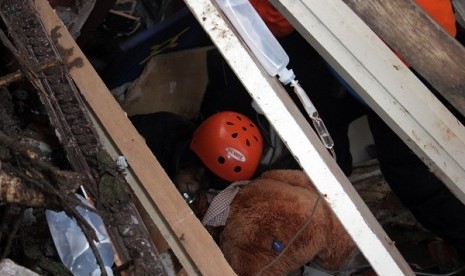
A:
229,144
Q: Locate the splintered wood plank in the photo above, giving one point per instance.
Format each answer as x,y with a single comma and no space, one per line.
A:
192,244
292,127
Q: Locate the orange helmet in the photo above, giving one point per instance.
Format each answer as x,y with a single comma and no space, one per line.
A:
229,144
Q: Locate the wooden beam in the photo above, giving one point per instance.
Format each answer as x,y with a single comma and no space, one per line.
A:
192,244
303,143
438,57
385,84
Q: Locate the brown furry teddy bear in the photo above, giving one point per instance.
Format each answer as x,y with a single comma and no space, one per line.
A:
278,223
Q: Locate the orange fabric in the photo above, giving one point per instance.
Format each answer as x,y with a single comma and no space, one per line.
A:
275,21
442,12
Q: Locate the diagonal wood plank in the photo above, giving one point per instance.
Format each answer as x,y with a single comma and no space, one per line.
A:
192,244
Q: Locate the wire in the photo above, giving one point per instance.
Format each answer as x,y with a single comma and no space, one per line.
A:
333,153
263,127
270,264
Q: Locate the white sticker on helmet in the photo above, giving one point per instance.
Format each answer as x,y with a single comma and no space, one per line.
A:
234,153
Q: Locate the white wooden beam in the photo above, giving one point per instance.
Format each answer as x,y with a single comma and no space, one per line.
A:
385,84
304,144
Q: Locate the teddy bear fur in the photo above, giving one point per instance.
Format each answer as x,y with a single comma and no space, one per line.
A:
274,207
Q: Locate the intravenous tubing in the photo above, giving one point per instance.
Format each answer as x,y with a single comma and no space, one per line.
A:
271,55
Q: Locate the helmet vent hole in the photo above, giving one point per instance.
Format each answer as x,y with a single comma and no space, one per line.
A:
239,118
234,135
251,125
230,123
255,137
237,169
244,128
247,142
221,160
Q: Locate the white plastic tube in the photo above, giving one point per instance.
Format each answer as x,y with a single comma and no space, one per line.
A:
258,38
